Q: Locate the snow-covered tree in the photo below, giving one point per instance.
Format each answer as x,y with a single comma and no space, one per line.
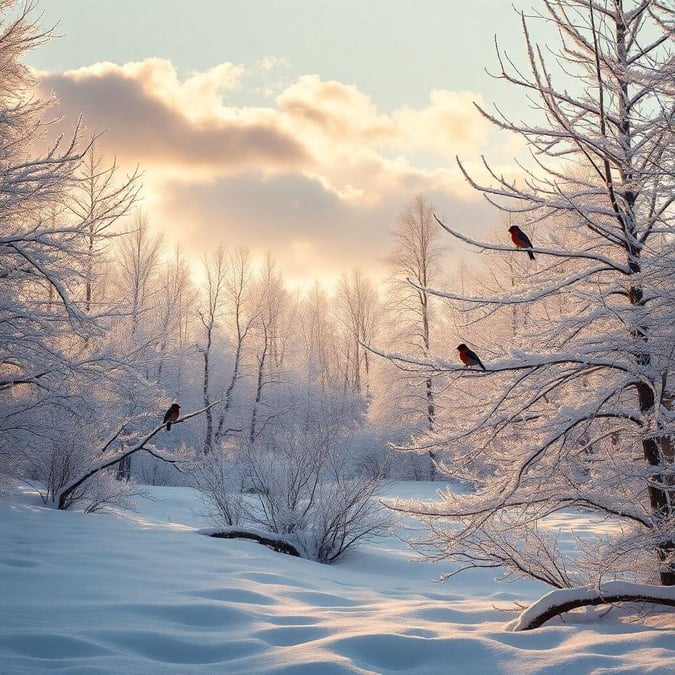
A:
41,324
56,361
214,268
359,312
575,409
99,200
272,332
415,258
36,248
176,296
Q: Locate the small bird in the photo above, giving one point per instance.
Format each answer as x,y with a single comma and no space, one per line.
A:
521,240
469,357
171,415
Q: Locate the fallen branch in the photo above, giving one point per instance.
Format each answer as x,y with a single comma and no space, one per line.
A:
275,542
563,600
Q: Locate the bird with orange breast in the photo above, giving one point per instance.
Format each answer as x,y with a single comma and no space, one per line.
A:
469,357
521,240
171,415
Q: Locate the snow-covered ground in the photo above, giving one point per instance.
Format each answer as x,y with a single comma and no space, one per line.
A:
143,593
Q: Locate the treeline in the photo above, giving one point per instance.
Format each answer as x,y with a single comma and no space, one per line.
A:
103,325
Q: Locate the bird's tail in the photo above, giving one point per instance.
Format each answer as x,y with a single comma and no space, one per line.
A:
531,255
168,426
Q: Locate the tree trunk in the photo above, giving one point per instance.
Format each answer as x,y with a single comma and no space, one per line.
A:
655,450
124,469
208,438
258,391
275,544
431,418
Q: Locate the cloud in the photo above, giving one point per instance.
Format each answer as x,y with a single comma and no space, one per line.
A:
312,231
333,111
449,125
317,178
152,118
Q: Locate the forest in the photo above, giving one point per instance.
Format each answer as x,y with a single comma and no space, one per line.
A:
539,380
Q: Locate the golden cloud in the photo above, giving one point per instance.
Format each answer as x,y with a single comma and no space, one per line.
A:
318,178
152,118
449,125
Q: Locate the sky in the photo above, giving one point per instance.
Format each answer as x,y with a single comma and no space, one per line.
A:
299,128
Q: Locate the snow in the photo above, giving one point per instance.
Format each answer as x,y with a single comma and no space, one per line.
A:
144,593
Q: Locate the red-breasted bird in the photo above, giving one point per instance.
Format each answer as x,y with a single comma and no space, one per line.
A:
171,415
521,240
469,357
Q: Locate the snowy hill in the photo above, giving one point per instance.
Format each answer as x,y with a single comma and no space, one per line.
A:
143,593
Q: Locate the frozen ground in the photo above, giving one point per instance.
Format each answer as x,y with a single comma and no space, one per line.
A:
143,593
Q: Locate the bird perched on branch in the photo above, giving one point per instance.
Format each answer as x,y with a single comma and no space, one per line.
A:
469,357
171,415
521,240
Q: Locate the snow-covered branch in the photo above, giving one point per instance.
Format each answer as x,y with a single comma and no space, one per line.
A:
563,600
607,263
62,497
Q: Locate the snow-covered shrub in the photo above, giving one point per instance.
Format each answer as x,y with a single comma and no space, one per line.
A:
343,513
103,490
301,488
371,454
218,477
64,460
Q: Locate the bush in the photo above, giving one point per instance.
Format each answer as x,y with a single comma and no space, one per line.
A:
300,488
218,478
64,460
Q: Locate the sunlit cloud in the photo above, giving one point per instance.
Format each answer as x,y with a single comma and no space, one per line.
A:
449,125
333,112
200,95
152,118
317,176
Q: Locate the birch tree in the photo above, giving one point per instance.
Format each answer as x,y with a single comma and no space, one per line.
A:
176,298
597,379
272,334
414,263
359,311
135,332
214,268
139,252
317,369
241,310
